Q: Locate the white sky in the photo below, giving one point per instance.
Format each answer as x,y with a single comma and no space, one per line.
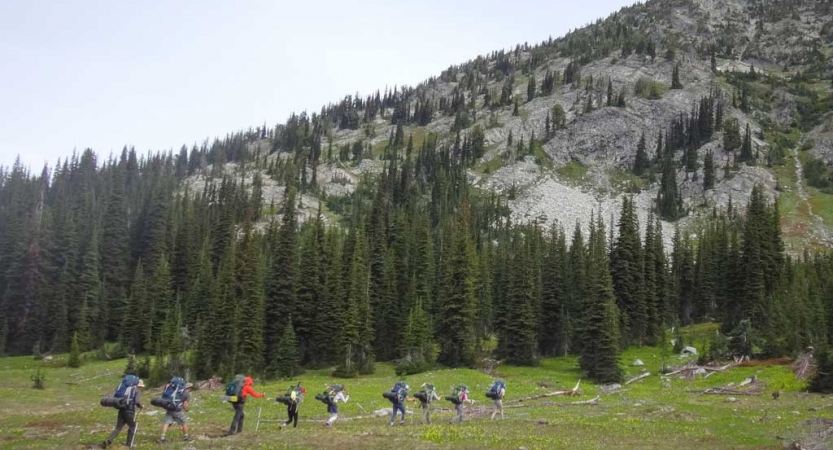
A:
158,74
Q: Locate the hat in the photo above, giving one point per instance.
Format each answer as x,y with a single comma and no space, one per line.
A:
141,383
189,385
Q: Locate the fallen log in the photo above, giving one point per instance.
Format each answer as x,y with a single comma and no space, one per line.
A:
637,378
722,391
575,392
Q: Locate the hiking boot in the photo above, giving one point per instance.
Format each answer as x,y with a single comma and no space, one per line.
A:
106,443
402,423
283,425
163,440
186,438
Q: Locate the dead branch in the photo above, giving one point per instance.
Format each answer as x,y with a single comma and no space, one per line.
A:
106,374
592,401
637,378
575,392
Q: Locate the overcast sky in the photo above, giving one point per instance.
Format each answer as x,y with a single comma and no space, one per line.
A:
158,74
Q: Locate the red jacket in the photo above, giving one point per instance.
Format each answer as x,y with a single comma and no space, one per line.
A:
247,389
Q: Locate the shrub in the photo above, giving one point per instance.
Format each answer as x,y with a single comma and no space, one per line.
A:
38,380
646,87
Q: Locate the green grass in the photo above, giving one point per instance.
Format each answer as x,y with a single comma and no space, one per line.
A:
649,414
625,181
573,171
491,166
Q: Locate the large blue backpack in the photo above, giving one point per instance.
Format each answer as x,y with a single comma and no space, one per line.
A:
123,396
173,391
397,393
495,390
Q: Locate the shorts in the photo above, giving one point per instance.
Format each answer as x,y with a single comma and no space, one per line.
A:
174,417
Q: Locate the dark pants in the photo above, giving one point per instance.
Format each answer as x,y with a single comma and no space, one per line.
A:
126,417
292,412
237,422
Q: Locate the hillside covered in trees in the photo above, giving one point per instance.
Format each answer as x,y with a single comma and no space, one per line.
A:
412,225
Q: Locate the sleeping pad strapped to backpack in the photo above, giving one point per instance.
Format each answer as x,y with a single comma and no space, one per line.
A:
494,391
122,397
398,393
171,399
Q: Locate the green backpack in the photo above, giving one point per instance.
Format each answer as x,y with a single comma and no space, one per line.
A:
235,388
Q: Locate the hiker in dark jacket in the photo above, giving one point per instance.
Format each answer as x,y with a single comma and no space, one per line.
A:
127,416
239,415
292,408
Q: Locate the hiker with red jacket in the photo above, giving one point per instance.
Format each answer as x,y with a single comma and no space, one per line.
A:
239,415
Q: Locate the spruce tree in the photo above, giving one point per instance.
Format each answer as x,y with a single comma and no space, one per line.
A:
641,163
530,88
708,171
746,148
675,78
74,360
249,282
667,204
555,331
599,357
518,338
628,282
287,359
456,326
282,283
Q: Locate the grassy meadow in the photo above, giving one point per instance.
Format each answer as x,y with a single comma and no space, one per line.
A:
653,413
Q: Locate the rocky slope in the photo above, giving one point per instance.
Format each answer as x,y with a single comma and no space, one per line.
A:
776,38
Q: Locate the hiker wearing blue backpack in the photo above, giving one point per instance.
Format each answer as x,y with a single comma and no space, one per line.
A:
177,393
397,395
496,393
126,399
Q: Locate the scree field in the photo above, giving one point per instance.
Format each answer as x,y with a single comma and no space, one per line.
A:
652,413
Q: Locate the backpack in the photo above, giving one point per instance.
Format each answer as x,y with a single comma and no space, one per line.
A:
328,396
122,397
459,393
293,395
398,393
235,388
426,394
173,392
495,390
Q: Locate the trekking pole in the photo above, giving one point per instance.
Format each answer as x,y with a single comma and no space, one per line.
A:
135,432
259,411
360,407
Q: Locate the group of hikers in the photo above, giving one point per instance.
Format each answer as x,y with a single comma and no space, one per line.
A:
127,399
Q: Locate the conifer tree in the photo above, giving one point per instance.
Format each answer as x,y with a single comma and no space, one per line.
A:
667,204
518,340
287,359
628,283
456,324
675,78
530,88
249,282
641,163
74,360
554,337
134,331
222,337
599,357
160,298
577,286
609,92
746,147
281,288
708,171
